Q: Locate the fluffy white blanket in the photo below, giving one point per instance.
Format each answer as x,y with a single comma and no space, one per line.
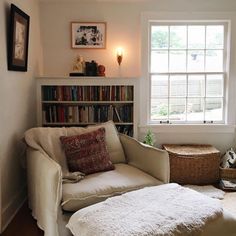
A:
161,210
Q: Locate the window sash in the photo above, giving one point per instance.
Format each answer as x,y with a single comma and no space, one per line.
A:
187,97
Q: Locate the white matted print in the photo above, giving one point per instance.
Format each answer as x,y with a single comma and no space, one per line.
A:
88,35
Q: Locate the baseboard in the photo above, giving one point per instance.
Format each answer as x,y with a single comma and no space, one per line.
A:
9,211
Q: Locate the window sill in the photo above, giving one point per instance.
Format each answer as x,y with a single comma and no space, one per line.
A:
188,128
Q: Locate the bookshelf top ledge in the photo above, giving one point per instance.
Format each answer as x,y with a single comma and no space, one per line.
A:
86,77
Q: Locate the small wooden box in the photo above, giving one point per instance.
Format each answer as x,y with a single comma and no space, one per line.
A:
193,164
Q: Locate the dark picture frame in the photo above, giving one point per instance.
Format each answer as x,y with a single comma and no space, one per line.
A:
88,35
18,39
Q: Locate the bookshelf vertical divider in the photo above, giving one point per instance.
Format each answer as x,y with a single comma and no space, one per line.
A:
82,101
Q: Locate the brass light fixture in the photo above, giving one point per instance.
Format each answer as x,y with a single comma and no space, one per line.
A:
119,55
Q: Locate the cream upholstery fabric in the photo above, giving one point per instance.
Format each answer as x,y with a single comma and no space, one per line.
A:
45,174
149,159
46,140
99,186
44,190
223,226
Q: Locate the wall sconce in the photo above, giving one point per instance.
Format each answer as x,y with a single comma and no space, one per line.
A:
119,55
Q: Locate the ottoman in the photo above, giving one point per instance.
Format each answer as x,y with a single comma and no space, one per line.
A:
193,164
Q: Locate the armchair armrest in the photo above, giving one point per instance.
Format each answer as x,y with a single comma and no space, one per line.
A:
44,190
151,160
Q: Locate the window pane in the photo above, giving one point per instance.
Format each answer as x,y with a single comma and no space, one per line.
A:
160,37
215,37
196,37
178,37
159,61
214,86
214,109
195,108
177,61
159,86
177,109
178,85
196,60
214,60
196,85
159,109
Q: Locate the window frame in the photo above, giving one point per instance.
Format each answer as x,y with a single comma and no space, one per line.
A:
224,72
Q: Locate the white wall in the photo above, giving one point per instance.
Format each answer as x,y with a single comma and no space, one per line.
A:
17,104
221,136
124,28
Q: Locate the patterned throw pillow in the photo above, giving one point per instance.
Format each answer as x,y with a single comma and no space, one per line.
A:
229,159
87,152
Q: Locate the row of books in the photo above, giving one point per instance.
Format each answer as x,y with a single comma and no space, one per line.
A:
87,114
88,93
125,129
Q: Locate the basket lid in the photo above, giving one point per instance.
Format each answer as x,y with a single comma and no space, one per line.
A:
190,149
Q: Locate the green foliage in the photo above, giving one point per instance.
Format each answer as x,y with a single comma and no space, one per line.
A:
160,40
149,138
163,110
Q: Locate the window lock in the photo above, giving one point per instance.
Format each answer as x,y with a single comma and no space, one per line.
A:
208,121
164,122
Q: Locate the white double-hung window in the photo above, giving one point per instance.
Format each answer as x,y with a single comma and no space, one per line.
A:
187,72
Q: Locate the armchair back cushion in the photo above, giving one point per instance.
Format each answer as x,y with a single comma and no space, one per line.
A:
47,140
113,143
87,152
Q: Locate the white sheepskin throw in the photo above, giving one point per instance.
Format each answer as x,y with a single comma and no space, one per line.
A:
161,210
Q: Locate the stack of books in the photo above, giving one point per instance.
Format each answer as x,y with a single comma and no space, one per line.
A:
228,184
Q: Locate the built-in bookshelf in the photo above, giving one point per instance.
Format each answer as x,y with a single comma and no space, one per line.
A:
86,101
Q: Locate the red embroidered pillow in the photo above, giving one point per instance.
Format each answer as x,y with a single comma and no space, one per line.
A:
87,152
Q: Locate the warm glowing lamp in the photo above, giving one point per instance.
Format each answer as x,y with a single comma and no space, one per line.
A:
119,55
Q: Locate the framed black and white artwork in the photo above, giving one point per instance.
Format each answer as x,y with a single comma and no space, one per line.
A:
18,39
88,35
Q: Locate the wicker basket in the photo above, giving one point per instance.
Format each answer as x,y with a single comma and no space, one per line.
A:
227,173
193,164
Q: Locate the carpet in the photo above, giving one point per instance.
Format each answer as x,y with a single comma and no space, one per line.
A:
229,202
228,198
208,190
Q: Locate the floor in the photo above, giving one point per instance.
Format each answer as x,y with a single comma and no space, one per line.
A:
229,202
24,225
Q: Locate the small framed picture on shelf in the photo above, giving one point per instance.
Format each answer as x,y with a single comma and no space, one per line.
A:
88,35
18,40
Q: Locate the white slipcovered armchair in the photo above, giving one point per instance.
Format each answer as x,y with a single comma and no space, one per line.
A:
54,193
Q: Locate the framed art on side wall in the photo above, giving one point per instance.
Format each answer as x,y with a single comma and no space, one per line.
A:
18,40
88,35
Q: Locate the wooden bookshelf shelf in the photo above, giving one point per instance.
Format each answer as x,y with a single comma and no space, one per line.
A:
88,102
82,102
78,124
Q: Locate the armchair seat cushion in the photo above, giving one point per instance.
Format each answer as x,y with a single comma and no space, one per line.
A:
97,187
